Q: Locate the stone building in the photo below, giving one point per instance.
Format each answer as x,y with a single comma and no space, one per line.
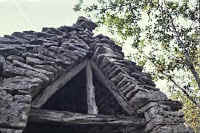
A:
66,80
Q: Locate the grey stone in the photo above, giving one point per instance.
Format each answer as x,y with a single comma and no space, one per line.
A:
86,23
33,64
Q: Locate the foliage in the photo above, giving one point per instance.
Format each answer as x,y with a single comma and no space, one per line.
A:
165,36
191,111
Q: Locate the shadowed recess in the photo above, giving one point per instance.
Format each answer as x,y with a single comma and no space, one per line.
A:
106,102
54,128
72,97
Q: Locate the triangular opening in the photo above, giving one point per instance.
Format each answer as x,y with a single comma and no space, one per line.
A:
72,97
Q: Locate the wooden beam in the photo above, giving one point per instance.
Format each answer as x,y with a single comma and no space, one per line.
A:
112,88
69,118
18,126
42,98
91,102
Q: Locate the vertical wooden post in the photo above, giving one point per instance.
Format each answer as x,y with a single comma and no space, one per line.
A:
91,102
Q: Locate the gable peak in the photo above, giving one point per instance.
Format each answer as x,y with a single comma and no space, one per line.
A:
86,23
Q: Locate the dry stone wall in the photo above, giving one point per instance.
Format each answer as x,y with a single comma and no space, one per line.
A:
30,61
162,115
138,90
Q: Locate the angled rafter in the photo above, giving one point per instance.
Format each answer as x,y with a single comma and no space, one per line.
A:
42,98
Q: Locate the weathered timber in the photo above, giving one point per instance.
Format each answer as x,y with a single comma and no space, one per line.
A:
69,118
108,84
92,107
6,130
55,86
18,126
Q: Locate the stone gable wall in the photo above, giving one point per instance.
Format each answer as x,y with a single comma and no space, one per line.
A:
30,61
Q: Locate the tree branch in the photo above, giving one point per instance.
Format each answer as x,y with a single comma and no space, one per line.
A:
183,90
188,59
174,82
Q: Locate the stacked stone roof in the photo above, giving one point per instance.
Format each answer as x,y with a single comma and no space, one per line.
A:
30,61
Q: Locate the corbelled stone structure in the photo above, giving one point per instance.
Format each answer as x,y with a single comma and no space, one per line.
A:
68,80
